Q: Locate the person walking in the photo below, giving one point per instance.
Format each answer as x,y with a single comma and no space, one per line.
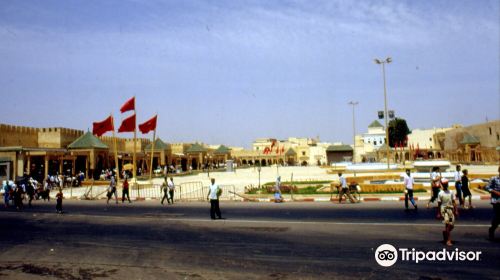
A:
171,189
466,190
213,194
47,188
30,190
458,184
277,185
435,184
447,211
344,189
164,188
6,194
125,191
278,198
408,182
494,189
59,199
112,190
18,198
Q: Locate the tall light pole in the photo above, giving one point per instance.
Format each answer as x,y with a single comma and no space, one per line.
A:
383,62
353,103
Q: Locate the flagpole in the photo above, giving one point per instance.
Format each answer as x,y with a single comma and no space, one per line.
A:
134,167
116,154
277,157
152,152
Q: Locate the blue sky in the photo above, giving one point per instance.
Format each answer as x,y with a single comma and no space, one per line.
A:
232,71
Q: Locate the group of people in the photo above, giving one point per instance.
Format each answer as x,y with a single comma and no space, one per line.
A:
446,198
167,188
112,190
29,189
461,180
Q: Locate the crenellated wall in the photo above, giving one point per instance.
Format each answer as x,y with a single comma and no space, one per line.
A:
12,135
57,137
108,140
141,144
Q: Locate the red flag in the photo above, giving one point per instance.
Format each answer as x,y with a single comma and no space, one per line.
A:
266,150
128,106
128,124
272,144
99,128
148,125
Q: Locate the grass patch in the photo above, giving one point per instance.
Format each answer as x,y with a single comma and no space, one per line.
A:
298,183
313,190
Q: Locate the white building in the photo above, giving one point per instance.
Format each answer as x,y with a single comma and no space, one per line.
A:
427,139
375,135
367,143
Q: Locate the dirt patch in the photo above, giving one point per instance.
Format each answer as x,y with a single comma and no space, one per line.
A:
59,273
264,229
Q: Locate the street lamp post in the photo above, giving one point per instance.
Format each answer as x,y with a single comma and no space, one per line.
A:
353,103
259,169
383,62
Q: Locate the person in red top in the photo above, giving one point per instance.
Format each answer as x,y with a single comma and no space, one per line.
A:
125,191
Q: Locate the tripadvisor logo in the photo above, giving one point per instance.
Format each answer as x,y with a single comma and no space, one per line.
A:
387,255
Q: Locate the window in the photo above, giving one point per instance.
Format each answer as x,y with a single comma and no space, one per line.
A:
498,137
430,138
303,153
490,131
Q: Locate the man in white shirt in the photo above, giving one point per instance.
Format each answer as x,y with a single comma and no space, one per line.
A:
408,182
458,184
171,189
213,194
344,189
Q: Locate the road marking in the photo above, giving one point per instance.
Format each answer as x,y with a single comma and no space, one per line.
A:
160,218
322,223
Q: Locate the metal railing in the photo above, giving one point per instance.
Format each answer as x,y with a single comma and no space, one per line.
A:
189,191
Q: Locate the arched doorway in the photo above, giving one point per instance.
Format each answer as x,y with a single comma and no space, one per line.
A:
184,163
194,164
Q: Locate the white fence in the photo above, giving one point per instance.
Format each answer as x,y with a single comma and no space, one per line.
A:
189,191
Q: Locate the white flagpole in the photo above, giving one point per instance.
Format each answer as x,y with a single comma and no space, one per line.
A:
116,153
153,152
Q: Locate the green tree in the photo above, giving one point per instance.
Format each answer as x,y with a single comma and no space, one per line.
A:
398,131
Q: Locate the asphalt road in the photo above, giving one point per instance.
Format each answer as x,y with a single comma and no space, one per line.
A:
145,240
